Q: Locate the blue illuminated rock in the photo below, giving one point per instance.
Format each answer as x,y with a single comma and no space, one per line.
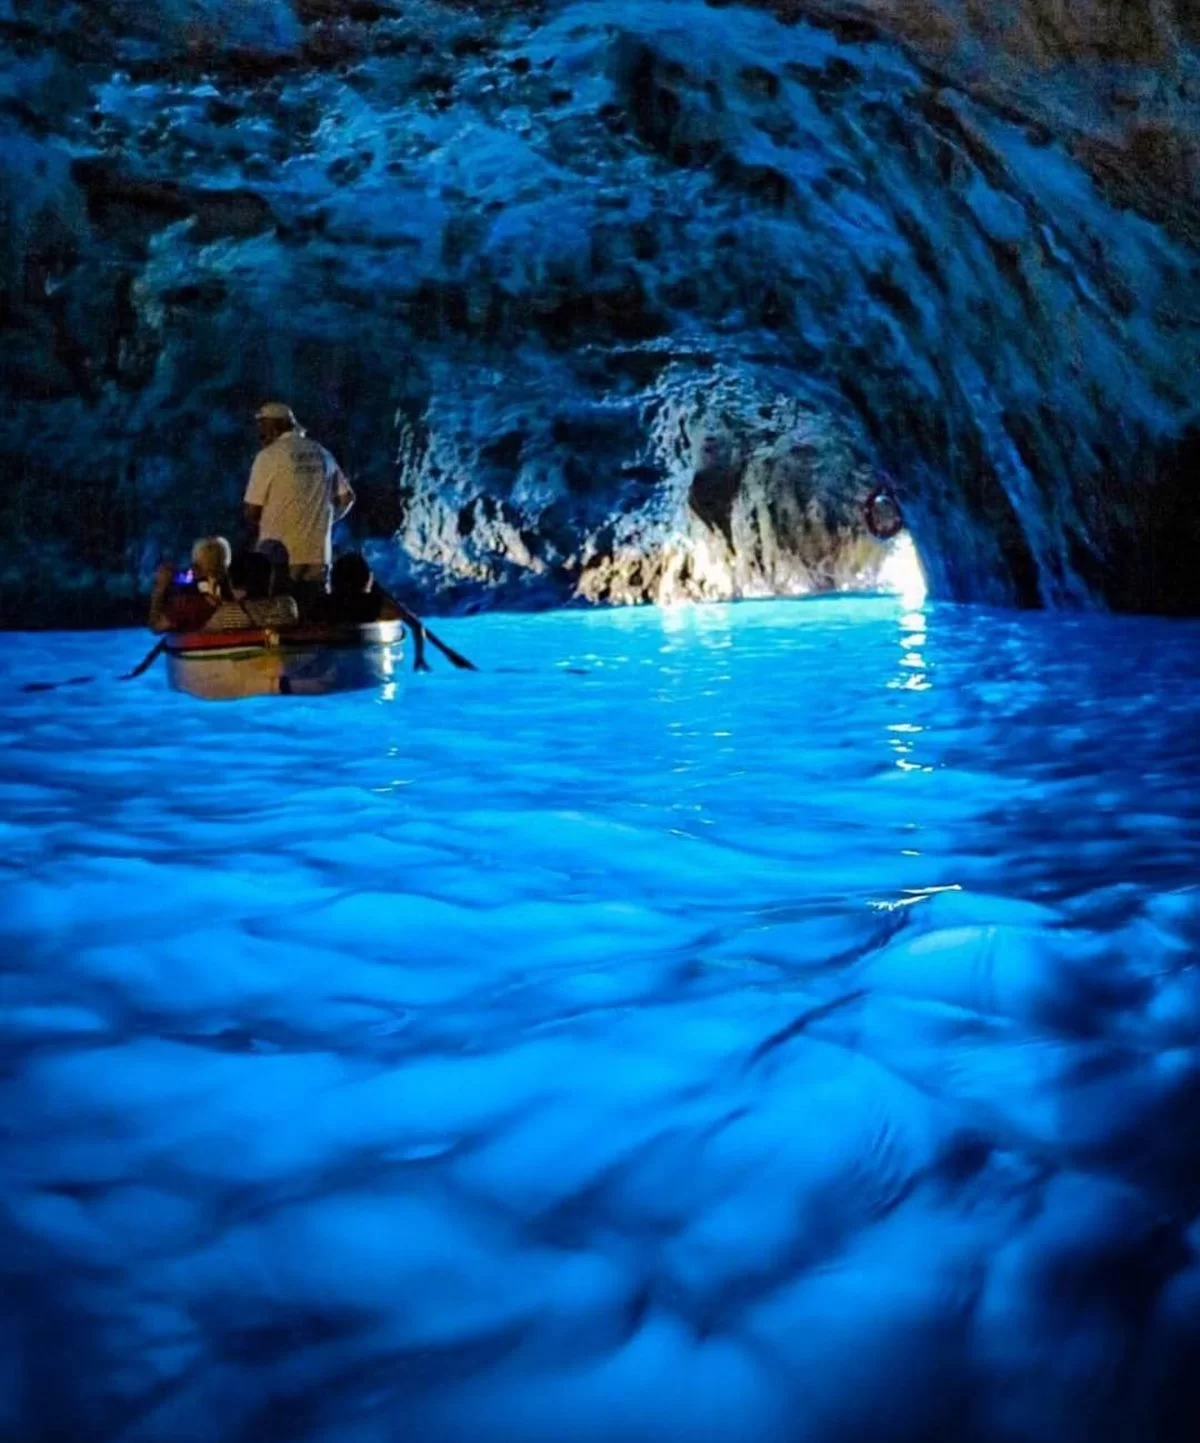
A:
611,301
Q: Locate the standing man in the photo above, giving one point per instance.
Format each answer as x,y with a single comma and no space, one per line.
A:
296,493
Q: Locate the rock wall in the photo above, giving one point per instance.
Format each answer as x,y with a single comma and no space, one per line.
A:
608,301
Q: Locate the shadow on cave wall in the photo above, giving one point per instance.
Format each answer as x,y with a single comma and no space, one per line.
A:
1153,563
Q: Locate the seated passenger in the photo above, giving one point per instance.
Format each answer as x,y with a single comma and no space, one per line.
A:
250,603
186,603
355,600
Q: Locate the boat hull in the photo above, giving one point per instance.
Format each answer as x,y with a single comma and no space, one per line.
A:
301,661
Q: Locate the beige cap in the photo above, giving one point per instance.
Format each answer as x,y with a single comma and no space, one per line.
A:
275,411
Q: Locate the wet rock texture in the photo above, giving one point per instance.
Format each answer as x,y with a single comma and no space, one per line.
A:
610,301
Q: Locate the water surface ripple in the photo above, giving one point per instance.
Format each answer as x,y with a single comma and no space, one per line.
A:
774,1022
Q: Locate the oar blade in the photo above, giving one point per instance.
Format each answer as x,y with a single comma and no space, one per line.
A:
142,666
146,662
54,685
456,659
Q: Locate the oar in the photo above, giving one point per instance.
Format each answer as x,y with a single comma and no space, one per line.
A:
419,628
146,662
144,665
452,656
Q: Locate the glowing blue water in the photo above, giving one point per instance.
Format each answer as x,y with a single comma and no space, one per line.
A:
772,1022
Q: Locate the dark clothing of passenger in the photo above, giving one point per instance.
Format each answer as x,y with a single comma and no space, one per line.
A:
311,597
181,609
359,608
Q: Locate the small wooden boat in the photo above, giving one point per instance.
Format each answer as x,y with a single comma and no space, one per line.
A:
300,661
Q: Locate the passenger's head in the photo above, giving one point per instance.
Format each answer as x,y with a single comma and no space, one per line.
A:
275,419
250,575
351,575
210,559
280,563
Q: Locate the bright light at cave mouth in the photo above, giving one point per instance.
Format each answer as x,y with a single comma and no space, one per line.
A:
902,571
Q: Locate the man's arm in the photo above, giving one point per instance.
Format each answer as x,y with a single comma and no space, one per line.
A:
343,492
343,499
252,516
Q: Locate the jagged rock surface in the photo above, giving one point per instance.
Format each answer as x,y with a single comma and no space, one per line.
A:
611,302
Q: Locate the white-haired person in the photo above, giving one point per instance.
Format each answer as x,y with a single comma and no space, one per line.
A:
185,603
296,493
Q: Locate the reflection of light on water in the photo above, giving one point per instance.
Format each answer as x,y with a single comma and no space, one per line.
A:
432,959
904,747
904,734
902,572
710,624
911,895
912,635
675,614
389,787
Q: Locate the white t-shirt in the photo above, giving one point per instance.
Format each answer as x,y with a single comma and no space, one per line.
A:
296,482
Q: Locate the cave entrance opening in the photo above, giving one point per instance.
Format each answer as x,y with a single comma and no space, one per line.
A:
902,571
